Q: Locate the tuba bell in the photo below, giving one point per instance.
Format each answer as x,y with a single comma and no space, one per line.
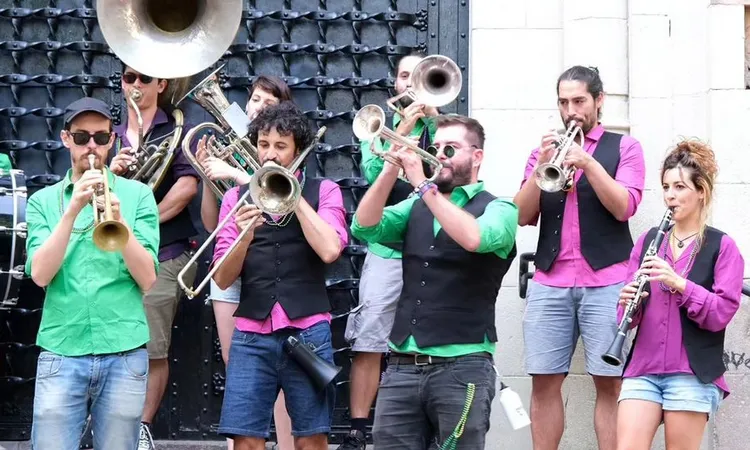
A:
435,81
169,38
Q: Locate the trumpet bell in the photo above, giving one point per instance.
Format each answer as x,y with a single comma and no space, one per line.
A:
169,38
550,178
111,236
436,80
368,122
275,190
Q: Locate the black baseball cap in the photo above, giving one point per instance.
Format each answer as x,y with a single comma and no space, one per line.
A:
86,104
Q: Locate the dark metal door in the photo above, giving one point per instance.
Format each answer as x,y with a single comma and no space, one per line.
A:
336,55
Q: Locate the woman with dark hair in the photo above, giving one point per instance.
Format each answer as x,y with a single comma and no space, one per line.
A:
265,91
674,373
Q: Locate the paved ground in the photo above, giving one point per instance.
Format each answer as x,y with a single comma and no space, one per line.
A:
160,445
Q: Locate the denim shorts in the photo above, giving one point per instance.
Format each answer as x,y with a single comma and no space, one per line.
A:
258,368
675,392
556,316
229,295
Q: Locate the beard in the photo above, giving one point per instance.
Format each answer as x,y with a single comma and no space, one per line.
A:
587,123
460,175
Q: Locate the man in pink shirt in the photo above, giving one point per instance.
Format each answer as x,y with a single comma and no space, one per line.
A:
281,263
581,259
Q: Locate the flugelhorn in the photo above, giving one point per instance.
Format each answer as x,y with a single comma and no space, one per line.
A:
274,190
232,126
552,176
152,161
613,356
110,235
435,81
369,124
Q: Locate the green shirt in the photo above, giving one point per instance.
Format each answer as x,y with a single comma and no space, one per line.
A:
497,228
371,166
92,305
5,163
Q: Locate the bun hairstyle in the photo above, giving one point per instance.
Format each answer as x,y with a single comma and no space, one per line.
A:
700,160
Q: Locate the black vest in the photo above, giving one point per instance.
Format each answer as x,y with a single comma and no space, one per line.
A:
180,227
705,349
280,266
449,293
604,239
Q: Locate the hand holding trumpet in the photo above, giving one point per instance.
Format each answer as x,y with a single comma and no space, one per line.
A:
83,190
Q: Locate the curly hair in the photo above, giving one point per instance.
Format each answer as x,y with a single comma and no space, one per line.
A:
287,119
700,161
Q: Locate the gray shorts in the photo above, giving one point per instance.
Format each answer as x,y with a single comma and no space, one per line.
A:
555,317
369,324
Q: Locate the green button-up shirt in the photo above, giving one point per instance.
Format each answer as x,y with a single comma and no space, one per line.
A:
92,305
372,165
5,164
497,228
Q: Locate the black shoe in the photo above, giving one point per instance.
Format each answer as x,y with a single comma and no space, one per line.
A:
355,440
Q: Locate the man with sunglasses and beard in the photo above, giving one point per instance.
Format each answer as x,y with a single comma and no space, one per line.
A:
369,324
93,331
179,186
458,241
581,259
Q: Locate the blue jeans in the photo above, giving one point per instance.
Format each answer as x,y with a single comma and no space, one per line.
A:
674,392
112,388
259,367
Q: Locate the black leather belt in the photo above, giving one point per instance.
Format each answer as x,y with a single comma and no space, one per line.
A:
424,360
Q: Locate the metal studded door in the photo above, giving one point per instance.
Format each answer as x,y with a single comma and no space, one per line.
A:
336,55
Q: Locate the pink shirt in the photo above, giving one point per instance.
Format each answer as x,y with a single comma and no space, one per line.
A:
330,209
659,349
570,268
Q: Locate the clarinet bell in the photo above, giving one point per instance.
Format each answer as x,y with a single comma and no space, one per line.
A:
321,372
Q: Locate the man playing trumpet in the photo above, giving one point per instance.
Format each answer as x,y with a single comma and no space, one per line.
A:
459,241
93,332
281,263
581,258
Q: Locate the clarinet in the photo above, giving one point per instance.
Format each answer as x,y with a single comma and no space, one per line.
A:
613,355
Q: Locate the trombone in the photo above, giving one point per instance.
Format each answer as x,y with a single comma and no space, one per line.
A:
109,235
369,124
435,81
273,188
552,176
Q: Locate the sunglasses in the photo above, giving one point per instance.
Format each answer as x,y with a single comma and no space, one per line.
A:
130,78
83,137
448,150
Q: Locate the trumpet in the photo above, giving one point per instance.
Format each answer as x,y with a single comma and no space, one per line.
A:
613,356
369,124
109,235
152,161
552,176
435,81
273,189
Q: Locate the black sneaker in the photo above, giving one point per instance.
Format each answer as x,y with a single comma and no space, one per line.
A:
355,440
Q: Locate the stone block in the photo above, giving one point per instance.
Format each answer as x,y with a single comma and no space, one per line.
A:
509,357
543,13
608,52
648,7
530,85
726,41
728,109
690,116
689,49
730,214
649,47
651,125
497,14
584,9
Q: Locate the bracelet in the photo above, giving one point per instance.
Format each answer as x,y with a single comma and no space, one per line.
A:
425,187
